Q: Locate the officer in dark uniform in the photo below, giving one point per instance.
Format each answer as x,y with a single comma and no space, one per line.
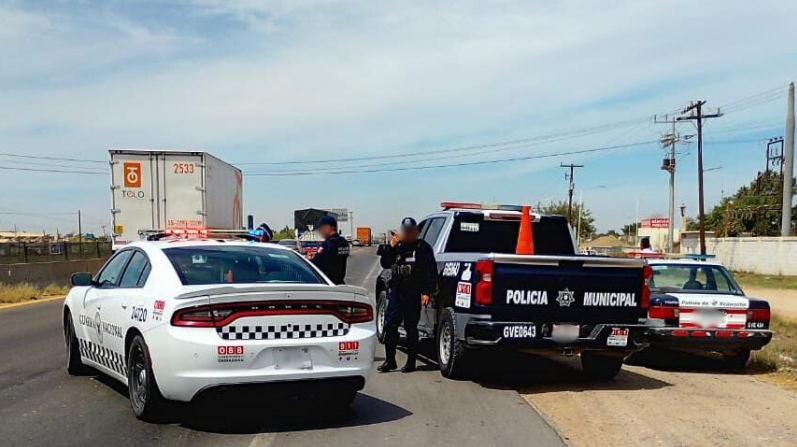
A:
413,280
264,233
333,254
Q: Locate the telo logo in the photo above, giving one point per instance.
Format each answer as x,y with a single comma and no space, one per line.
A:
132,173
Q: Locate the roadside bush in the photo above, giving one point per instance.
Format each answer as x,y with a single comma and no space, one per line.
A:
17,293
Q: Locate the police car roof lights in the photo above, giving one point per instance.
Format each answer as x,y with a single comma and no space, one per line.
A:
479,206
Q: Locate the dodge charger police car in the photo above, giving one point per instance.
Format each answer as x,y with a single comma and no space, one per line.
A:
698,306
176,319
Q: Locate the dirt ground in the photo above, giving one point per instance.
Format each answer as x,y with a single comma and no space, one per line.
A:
672,401
782,301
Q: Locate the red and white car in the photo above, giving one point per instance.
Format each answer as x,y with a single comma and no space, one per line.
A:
175,319
699,306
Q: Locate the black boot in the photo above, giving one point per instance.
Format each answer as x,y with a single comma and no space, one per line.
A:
388,366
409,366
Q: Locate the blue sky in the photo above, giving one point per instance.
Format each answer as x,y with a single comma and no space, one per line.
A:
259,81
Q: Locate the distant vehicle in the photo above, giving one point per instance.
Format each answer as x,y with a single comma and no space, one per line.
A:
364,235
153,190
293,244
589,252
178,319
553,301
356,243
698,306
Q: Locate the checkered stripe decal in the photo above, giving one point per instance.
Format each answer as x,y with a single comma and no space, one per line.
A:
103,356
281,332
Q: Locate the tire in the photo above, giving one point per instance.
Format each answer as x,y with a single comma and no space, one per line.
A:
736,360
145,398
450,351
600,367
381,312
74,364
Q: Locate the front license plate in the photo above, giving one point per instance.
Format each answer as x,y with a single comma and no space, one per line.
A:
520,331
564,333
292,358
618,337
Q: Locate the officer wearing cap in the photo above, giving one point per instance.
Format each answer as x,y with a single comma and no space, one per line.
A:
333,254
413,280
264,233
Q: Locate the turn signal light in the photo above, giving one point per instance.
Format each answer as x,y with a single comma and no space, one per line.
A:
647,273
758,315
484,288
663,312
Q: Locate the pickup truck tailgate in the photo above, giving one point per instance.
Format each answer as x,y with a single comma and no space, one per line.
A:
572,289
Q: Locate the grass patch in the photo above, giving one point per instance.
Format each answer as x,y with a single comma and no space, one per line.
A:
18,293
766,281
780,355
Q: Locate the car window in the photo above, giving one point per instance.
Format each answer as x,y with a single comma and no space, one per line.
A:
472,233
142,280
240,265
692,279
134,270
433,230
109,276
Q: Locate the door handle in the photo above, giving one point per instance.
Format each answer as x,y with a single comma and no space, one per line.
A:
124,305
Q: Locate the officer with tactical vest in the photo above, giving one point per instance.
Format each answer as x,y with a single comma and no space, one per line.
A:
333,254
413,280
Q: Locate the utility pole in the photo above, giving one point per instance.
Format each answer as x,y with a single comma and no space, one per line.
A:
697,115
79,233
788,167
351,224
669,165
570,189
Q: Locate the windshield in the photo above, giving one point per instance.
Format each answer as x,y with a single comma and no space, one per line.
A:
239,265
471,233
693,279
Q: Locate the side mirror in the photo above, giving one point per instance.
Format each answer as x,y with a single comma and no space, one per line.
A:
82,279
381,249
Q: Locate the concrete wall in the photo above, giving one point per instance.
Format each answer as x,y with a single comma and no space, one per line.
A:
46,273
763,255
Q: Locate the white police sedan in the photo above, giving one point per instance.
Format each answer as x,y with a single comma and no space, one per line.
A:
179,319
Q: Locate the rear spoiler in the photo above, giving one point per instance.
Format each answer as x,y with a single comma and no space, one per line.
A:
586,261
233,289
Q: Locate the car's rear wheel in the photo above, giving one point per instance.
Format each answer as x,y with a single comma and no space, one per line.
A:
736,360
600,366
145,397
450,351
381,315
74,364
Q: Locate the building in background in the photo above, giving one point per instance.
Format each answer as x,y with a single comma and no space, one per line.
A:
655,228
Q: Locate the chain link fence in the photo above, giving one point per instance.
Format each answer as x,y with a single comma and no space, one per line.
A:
22,252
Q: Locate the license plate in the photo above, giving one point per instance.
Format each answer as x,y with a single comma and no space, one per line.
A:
618,337
520,331
292,358
711,318
564,333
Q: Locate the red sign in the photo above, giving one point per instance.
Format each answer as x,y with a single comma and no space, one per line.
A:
656,222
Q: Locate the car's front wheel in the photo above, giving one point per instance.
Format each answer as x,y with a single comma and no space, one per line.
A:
145,397
381,316
600,366
74,364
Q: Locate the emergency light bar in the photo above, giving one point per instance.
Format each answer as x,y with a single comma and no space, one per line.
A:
199,233
479,206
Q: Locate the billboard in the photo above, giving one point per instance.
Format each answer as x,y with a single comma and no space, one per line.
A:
655,222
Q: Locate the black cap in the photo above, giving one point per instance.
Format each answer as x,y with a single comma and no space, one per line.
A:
327,220
408,223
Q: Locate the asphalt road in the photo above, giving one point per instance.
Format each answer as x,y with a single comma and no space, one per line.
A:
41,405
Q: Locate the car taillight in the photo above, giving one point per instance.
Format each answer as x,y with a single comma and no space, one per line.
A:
647,273
219,315
663,312
484,288
758,315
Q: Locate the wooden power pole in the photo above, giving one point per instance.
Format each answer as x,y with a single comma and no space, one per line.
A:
571,166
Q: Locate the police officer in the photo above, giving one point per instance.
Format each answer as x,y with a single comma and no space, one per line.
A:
413,280
333,254
264,233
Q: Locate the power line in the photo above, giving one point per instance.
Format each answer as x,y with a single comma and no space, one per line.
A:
38,163
472,163
8,168
42,157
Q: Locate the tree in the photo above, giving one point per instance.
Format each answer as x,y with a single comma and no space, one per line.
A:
285,233
754,209
587,228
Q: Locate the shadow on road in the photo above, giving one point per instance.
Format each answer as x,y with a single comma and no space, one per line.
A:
669,360
259,415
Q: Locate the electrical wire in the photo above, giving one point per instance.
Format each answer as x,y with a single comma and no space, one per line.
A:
42,157
9,168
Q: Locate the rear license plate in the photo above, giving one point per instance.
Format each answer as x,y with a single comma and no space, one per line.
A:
564,333
520,331
292,358
618,337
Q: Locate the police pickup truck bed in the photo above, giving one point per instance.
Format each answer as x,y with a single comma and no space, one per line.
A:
553,301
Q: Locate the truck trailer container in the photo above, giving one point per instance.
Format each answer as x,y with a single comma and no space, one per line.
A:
364,235
161,190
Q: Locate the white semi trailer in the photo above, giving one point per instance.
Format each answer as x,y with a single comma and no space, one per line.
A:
163,190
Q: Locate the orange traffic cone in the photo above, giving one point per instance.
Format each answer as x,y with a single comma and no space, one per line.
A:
525,239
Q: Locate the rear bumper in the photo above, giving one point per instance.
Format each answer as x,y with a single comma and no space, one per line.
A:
487,334
276,393
708,340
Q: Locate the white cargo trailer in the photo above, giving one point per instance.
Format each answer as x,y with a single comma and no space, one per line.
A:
159,190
